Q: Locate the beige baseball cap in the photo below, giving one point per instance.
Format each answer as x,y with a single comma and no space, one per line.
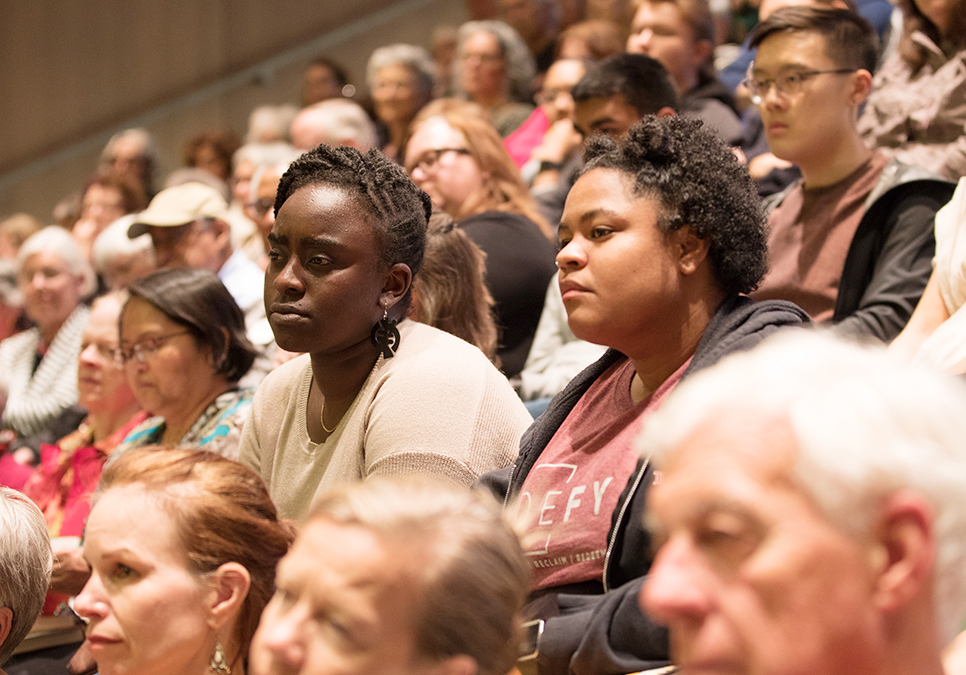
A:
180,205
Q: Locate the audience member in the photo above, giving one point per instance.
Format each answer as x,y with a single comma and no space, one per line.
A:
183,546
461,162
323,79
542,145
401,80
444,54
450,291
594,39
184,350
68,472
810,515
270,124
261,205
188,228
495,70
851,242
119,259
934,335
915,112
680,34
212,151
662,236
611,96
106,198
25,562
334,122
422,577
38,373
12,317
375,394
132,153
538,23
14,231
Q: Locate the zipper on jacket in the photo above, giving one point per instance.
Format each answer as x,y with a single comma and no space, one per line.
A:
620,519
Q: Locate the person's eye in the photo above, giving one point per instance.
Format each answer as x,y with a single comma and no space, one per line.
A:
318,261
599,232
122,572
274,255
793,80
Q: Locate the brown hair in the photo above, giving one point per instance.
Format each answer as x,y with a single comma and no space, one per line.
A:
133,197
914,20
504,189
223,143
473,572
602,38
220,509
450,290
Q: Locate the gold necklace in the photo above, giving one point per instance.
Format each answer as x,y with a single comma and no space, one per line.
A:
322,420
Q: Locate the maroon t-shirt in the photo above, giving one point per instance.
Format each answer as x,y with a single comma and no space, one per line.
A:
569,496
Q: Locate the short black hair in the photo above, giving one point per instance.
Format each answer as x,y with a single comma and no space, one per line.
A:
338,70
850,41
197,300
699,182
399,209
641,80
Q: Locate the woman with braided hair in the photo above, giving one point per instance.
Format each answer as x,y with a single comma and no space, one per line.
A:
376,394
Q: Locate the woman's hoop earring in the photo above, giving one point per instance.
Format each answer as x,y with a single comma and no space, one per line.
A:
385,335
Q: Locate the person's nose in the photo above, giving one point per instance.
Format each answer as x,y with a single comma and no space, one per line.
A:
641,42
89,356
281,635
571,255
91,602
674,590
288,278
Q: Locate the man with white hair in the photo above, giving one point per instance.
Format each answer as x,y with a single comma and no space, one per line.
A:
810,513
335,121
25,566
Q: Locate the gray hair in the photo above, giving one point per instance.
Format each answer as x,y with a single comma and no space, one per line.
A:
474,575
334,121
415,58
26,562
57,240
270,123
261,154
520,66
113,243
865,426
143,138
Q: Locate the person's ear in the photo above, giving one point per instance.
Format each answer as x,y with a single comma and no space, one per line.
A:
666,111
701,52
398,280
461,664
229,588
690,250
861,87
904,550
221,231
6,621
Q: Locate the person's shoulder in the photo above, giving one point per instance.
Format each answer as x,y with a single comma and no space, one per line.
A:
436,350
281,380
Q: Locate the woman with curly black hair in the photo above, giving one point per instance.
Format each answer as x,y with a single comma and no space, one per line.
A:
376,394
661,237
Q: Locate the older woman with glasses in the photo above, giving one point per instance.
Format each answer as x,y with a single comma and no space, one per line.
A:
183,344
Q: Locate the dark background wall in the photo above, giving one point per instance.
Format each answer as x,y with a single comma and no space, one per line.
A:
73,72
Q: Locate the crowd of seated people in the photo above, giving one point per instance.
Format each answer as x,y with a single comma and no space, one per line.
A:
261,402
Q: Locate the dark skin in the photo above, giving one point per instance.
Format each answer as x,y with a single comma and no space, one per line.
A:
338,379
326,285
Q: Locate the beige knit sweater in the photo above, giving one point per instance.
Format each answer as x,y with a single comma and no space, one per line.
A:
437,407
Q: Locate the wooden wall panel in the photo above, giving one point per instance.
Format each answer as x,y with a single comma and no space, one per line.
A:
73,71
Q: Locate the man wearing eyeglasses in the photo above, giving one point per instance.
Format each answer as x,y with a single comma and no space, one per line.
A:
852,241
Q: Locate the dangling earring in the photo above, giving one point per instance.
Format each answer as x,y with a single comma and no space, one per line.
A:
385,335
218,663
